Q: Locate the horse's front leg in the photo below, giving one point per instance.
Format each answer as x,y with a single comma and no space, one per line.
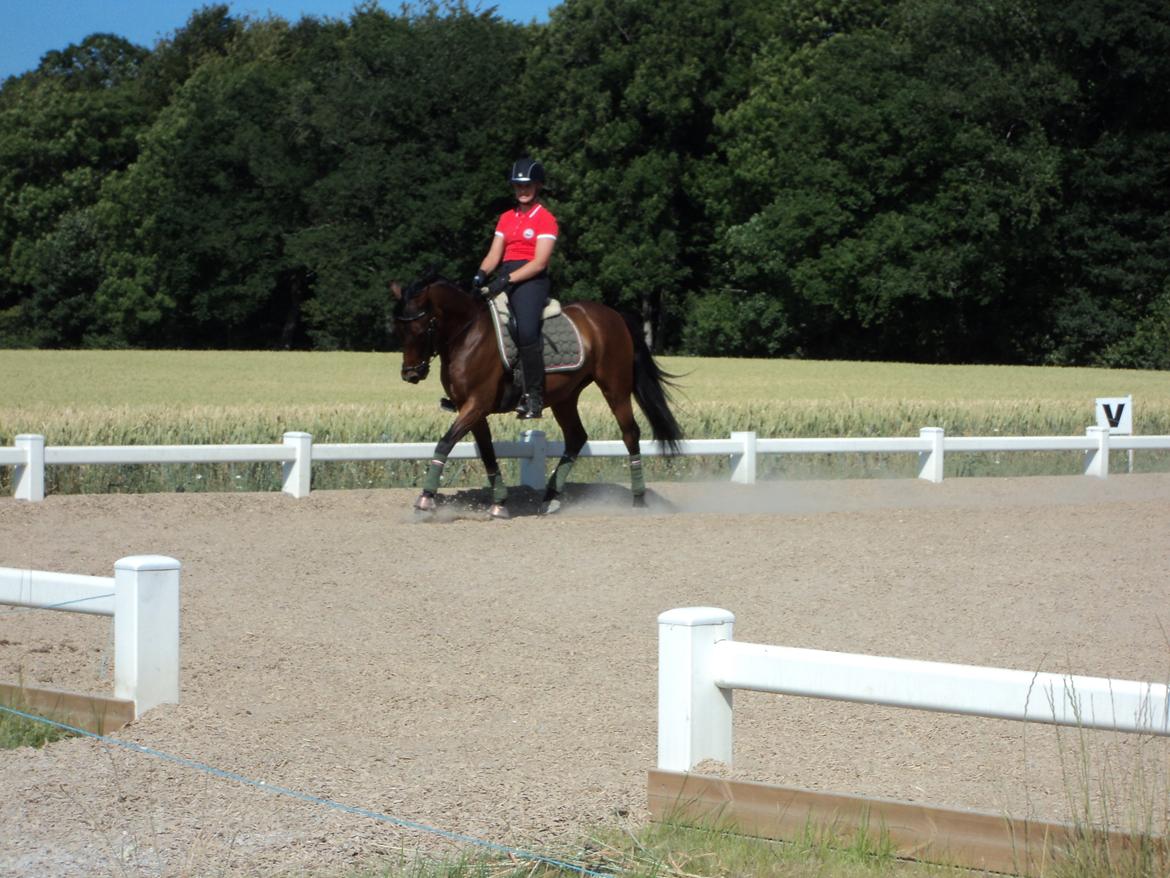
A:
468,416
487,453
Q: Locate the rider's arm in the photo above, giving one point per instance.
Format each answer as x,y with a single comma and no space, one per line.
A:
538,263
494,255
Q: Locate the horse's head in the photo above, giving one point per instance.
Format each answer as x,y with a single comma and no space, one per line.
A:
416,320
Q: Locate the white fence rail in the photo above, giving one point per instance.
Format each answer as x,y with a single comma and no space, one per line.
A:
297,453
143,598
700,665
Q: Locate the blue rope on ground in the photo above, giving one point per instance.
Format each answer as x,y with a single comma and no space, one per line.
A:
96,597
316,800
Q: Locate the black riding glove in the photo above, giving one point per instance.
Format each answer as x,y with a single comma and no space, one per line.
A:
478,282
499,285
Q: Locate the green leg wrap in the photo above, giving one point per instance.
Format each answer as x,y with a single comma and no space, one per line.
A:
637,478
560,474
434,472
499,488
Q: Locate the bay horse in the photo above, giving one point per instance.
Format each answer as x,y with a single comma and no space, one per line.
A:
436,318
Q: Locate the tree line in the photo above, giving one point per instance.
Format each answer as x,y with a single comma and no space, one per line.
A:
923,180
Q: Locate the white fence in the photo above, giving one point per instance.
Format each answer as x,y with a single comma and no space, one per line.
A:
700,665
143,598
297,453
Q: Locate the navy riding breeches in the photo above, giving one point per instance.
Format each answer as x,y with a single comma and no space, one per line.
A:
526,301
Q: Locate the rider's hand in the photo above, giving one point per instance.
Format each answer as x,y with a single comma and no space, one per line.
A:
479,281
500,284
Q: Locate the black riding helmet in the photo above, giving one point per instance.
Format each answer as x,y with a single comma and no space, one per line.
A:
526,170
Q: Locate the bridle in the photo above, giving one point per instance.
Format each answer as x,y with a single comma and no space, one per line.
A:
422,368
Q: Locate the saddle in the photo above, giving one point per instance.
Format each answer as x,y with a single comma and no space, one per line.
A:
563,349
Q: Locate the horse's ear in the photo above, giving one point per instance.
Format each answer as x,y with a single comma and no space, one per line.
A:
396,289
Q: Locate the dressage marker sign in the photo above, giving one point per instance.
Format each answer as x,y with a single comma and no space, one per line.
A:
1115,413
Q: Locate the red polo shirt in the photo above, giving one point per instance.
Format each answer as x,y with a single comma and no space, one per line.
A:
521,231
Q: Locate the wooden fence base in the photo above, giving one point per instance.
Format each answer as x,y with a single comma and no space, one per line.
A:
94,713
968,839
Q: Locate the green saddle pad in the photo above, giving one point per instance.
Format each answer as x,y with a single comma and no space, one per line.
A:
563,350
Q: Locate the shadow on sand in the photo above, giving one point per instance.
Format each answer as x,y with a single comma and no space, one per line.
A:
577,499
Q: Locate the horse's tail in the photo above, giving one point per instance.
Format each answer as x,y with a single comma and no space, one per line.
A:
652,390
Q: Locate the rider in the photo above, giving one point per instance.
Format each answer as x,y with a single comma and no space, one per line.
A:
521,248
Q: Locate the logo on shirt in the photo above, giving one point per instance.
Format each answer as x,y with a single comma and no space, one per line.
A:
529,234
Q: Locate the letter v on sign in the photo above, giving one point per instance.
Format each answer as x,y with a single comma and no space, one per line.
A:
1116,413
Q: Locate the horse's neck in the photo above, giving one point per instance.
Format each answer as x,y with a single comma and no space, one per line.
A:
459,312
455,306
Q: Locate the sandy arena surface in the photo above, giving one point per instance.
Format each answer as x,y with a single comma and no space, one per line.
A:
498,678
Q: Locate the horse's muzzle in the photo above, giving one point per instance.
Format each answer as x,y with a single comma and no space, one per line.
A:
416,373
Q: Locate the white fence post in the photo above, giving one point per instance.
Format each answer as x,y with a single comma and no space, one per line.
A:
1097,460
298,474
694,715
743,466
146,631
29,478
930,463
532,468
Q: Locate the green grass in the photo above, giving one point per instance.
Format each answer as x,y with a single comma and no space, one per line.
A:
81,379
673,849
665,850
223,397
16,731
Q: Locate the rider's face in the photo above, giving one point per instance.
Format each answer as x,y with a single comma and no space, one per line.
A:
525,192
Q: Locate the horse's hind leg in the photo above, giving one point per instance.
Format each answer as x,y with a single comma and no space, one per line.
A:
487,453
622,407
570,420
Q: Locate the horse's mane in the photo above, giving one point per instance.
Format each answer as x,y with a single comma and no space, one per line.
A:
413,289
431,277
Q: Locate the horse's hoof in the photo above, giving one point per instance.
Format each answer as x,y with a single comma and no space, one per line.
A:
639,501
550,507
425,503
500,511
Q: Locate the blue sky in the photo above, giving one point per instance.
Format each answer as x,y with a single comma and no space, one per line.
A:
29,28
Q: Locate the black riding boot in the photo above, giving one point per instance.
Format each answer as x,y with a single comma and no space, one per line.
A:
532,367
